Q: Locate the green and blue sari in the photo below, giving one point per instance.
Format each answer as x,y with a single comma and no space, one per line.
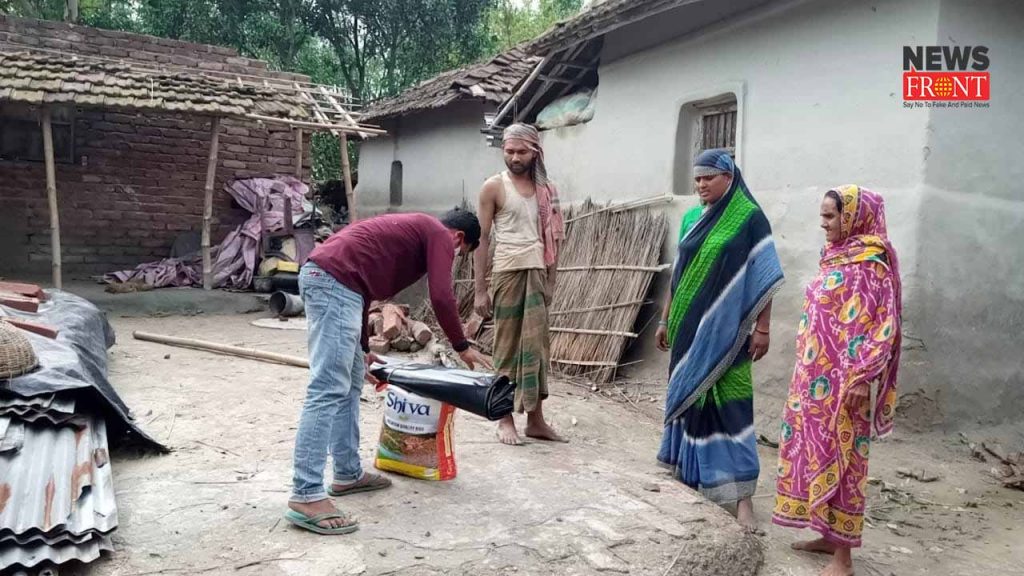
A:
727,270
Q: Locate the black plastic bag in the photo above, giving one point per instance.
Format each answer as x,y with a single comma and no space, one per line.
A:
486,395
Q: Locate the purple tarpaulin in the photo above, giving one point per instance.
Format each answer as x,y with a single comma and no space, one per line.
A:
234,261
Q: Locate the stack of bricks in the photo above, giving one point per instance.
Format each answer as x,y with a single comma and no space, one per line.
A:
137,180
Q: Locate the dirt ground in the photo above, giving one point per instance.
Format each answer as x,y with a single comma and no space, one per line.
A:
597,505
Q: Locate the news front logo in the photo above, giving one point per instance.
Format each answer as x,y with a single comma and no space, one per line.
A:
946,77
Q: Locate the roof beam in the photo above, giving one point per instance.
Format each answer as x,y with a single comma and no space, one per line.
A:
575,53
518,93
327,127
341,110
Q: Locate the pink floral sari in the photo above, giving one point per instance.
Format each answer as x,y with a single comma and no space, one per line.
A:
849,337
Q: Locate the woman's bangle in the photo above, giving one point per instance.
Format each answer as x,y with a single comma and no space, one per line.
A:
758,330
662,323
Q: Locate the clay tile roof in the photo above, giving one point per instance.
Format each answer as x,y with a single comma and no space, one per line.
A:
491,81
39,79
598,20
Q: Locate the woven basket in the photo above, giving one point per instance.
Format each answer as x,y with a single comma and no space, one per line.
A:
16,354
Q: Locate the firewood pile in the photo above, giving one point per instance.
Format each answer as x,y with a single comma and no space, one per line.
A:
391,328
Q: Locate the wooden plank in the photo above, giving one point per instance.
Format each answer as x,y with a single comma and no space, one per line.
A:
211,174
51,197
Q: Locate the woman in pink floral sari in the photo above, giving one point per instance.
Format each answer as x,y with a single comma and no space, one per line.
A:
848,343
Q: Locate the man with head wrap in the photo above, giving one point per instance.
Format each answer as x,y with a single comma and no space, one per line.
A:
522,206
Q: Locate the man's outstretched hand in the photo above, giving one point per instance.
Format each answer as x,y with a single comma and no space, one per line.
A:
370,358
472,357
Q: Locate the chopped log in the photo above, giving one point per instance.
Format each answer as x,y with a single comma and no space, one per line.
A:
22,289
19,302
421,333
403,343
376,324
393,321
379,345
472,326
34,327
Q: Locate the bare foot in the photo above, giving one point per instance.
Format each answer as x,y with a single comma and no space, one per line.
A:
311,509
745,516
507,432
542,431
841,564
819,546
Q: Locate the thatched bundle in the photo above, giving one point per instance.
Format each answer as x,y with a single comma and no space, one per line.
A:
607,263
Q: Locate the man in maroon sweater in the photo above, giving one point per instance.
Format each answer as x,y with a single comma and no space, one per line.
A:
373,259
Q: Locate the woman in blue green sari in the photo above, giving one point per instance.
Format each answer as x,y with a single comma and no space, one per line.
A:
716,323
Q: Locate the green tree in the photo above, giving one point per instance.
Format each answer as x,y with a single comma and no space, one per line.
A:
510,23
384,46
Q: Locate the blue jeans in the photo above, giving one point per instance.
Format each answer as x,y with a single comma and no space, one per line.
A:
330,415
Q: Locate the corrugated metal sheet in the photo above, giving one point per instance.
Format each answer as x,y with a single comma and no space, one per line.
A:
12,434
63,403
60,480
29,556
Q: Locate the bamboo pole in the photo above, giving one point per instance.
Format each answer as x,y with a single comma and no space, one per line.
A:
250,353
211,174
594,332
315,126
623,268
298,153
631,205
346,170
51,197
599,308
608,364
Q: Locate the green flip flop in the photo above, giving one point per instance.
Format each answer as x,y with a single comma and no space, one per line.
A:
368,483
311,523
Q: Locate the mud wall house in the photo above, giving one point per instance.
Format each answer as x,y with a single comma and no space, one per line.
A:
129,181
434,154
808,94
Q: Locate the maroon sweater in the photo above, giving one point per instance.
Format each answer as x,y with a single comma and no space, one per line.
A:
379,257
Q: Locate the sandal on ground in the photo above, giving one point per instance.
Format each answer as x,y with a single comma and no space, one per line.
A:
368,483
313,523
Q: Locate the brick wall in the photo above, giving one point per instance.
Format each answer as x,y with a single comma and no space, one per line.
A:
138,178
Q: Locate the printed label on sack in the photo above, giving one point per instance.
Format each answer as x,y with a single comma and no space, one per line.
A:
410,413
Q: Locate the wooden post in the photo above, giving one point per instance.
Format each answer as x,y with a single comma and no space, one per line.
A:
346,170
298,153
211,175
51,196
